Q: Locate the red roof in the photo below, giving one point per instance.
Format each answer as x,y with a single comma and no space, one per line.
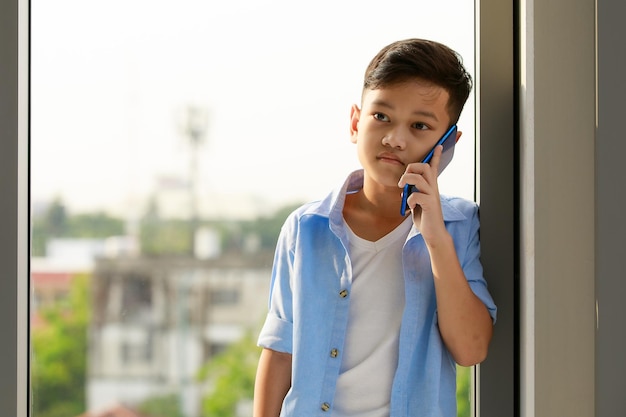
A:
51,279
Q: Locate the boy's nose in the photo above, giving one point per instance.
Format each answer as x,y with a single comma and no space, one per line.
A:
395,139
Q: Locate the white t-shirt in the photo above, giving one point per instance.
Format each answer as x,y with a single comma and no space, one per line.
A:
370,355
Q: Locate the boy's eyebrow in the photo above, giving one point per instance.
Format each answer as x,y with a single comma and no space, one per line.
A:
428,114
424,113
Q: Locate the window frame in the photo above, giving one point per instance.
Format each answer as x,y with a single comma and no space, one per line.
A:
496,379
14,207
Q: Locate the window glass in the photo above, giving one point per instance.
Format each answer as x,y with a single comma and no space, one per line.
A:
169,141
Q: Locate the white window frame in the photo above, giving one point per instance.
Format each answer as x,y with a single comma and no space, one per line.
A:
14,207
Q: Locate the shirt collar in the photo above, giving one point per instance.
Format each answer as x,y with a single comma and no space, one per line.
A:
332,205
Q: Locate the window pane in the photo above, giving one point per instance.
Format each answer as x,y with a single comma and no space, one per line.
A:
169,141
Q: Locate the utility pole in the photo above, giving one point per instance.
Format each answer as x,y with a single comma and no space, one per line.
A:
194,125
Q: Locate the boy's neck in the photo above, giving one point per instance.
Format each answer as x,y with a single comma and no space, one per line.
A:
372,218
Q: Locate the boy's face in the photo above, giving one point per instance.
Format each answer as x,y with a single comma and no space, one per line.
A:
396,126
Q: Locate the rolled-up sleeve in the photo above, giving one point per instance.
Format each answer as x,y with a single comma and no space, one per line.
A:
473,269
276,334
277,331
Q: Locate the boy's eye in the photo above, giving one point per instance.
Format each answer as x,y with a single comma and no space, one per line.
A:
420,126
381,117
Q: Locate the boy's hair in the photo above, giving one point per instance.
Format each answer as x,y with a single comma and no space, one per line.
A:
428,60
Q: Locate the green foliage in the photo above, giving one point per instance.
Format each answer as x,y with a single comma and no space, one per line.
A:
463,392
268,228
52,223
231,375
161,406
165,237
60,355
56,222
55,218
158,236
95,225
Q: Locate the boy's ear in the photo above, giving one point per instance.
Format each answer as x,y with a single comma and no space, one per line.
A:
458,135
355,115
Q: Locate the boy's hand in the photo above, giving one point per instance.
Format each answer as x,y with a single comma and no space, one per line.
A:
425,204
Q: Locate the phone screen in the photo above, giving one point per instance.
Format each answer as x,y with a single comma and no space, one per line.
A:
448,140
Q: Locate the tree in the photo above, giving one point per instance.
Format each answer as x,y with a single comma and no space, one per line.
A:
59,362
51,223
268,228
159,236
161,406
56,218
231,374
57,222
94,225
463,391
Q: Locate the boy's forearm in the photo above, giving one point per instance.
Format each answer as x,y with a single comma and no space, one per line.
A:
464,321
273,380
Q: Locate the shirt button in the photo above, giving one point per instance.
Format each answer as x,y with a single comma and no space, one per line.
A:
343,293
334,353
325,406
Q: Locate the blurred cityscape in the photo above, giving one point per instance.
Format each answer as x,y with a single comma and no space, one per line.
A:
137,324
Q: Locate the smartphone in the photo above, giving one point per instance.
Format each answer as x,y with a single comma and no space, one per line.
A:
448,140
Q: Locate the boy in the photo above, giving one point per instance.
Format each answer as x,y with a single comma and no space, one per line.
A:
370,310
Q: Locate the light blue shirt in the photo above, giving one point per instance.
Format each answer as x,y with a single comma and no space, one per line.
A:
309,305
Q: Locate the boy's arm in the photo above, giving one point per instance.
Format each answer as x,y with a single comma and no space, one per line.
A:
273,380
464,322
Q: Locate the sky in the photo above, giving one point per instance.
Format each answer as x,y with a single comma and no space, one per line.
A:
110,82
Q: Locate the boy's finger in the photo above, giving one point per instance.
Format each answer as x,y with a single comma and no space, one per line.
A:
434,162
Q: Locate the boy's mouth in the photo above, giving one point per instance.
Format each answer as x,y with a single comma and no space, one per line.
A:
390,158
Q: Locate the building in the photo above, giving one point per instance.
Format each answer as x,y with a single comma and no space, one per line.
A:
156,321
51,276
